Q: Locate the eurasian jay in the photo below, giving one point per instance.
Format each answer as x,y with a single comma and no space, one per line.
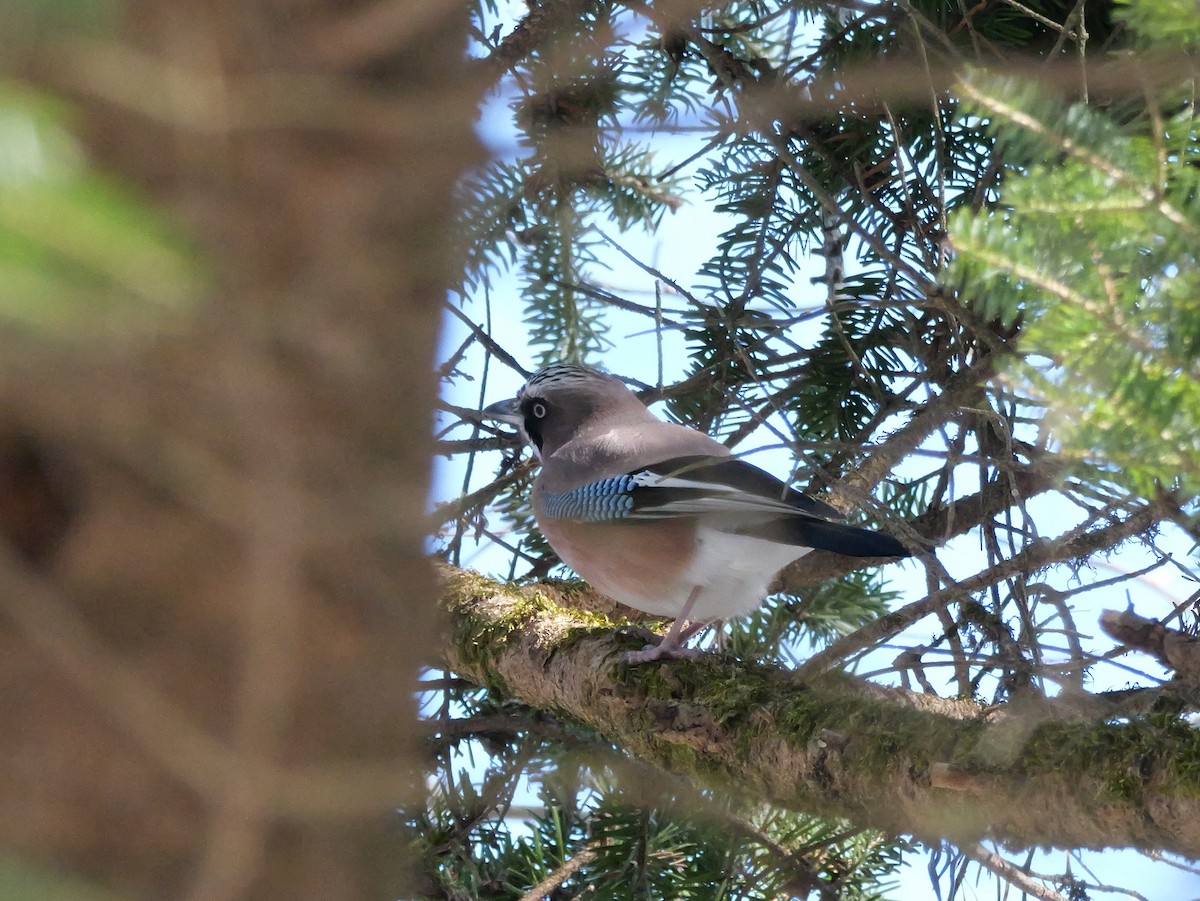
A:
659,516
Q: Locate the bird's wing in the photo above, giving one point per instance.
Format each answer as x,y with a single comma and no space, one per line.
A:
742,481
685,486
749,501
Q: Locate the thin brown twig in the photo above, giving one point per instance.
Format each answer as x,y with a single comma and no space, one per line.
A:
546,887
477,500
1011,873
887,454
488,341
1073,545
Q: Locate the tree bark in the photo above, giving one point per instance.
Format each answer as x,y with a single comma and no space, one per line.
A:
213,577
1025,775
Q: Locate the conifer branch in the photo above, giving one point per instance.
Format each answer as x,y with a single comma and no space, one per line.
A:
878,757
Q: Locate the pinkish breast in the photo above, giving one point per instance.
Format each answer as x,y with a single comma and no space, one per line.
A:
640,564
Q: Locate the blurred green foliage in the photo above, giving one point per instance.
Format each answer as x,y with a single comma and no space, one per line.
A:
1094,249
1164,24
80,255
22,881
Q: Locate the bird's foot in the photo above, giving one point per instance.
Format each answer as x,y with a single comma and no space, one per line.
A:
635,631
652,652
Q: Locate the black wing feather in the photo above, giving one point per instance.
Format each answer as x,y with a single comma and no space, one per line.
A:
809,528
739,474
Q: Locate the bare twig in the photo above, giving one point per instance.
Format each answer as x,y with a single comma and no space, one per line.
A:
1073,545
1011,873
546,887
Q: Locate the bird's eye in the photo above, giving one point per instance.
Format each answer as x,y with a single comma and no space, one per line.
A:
538,410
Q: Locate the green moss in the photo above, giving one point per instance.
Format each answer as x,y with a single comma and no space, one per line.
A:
478,637
747,703
728,689
585,620
481,637
750,703
1159,751
569,588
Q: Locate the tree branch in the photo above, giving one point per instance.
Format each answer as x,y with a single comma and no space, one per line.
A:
543,24
1176,650
834,746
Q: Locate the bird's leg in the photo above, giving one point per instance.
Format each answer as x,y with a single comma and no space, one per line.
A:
693,629
671,645
653,639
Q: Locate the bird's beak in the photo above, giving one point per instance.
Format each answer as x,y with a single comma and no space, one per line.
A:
504,411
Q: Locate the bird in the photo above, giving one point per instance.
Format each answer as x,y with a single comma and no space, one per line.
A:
659,516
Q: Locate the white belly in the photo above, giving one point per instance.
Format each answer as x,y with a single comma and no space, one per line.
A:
733,573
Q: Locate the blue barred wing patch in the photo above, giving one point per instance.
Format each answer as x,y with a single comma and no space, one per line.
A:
682,487
730,495
600,501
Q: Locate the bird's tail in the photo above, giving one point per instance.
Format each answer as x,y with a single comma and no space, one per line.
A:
803,531
850,540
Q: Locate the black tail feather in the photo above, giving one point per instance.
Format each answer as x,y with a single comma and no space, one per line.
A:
829,536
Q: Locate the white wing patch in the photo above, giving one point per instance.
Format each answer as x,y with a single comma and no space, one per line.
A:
709,497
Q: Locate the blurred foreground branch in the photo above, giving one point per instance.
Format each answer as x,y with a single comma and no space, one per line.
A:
210,630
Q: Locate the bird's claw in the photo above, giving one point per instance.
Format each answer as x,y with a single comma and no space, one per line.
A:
652,652
636,631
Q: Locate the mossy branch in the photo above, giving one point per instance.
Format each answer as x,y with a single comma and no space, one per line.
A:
897,761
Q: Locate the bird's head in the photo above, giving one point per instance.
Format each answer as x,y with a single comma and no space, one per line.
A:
563,399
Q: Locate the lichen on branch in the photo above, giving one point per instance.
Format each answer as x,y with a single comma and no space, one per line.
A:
905,763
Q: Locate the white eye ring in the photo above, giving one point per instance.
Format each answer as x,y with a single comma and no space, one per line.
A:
538,410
